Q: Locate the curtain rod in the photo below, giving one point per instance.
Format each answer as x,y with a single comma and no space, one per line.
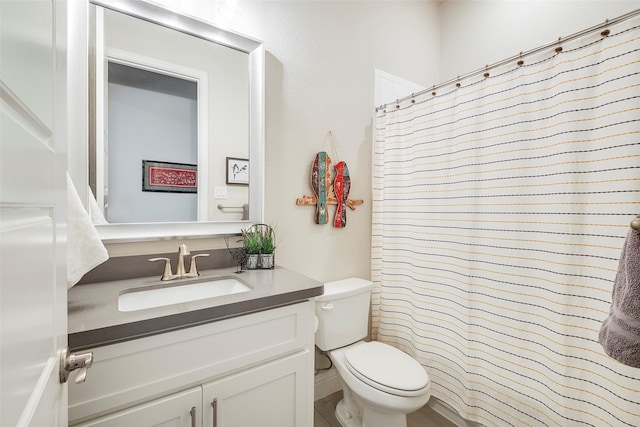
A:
521,55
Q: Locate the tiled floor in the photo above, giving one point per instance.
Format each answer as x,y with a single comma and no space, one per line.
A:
425,417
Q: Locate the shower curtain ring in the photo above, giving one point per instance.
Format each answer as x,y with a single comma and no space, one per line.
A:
559,48
606,31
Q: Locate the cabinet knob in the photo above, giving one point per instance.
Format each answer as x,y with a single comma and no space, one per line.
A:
70,362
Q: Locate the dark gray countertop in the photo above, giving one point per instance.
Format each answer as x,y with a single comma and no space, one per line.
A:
94,319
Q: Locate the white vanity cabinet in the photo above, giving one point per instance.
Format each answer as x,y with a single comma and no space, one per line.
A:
256,368
182,409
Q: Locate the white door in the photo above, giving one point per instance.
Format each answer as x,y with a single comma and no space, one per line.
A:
33,294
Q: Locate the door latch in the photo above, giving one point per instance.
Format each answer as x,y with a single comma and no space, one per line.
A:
70,362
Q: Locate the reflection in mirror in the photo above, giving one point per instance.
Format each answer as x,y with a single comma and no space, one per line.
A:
173,99
152,133
148,70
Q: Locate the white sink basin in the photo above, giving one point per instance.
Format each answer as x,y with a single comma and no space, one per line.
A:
168,295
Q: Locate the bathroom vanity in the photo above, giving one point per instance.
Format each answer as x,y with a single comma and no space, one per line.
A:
239,359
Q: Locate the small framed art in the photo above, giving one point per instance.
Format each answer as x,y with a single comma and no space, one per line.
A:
237,171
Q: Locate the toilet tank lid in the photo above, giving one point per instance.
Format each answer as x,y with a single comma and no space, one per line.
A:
344,288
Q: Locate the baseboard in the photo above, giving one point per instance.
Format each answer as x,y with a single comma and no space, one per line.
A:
449,413
326,383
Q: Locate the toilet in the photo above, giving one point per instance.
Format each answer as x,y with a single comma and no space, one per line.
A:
380,383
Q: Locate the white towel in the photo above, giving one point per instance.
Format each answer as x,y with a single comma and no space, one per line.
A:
84,247
95,213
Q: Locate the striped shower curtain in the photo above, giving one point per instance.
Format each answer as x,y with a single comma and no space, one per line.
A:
500,209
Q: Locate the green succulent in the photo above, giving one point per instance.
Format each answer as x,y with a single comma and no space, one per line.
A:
259,239
268,245
252,241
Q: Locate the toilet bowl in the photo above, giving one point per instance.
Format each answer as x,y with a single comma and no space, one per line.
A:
380,383
401,385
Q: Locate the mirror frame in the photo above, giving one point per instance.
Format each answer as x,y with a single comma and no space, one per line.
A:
111,233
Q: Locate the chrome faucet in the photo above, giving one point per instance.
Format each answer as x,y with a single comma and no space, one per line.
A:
181,273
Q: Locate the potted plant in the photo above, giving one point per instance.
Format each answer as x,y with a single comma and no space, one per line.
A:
268,247
259,246
252,243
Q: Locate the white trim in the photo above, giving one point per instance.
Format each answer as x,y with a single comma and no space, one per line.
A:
256,134
155,65
100,105
449,413
326,383
186,24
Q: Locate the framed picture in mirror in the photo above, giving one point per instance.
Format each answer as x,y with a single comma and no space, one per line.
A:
169,177
237,171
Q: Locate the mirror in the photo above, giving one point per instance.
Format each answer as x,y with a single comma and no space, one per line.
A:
176,124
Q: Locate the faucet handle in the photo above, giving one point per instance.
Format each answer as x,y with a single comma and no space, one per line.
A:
193,269
167,274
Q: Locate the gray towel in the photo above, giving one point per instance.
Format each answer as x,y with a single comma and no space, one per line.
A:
620,332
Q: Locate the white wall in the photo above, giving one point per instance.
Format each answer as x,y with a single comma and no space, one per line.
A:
479,33
320,71
388,88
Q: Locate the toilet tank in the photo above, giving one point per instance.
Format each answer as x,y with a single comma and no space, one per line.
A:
343,313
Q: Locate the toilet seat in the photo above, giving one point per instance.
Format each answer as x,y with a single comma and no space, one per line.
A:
387,369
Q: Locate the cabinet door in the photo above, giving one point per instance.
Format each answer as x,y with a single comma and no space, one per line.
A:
177,410
276,394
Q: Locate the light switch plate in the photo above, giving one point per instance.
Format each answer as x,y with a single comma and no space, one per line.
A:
220,193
